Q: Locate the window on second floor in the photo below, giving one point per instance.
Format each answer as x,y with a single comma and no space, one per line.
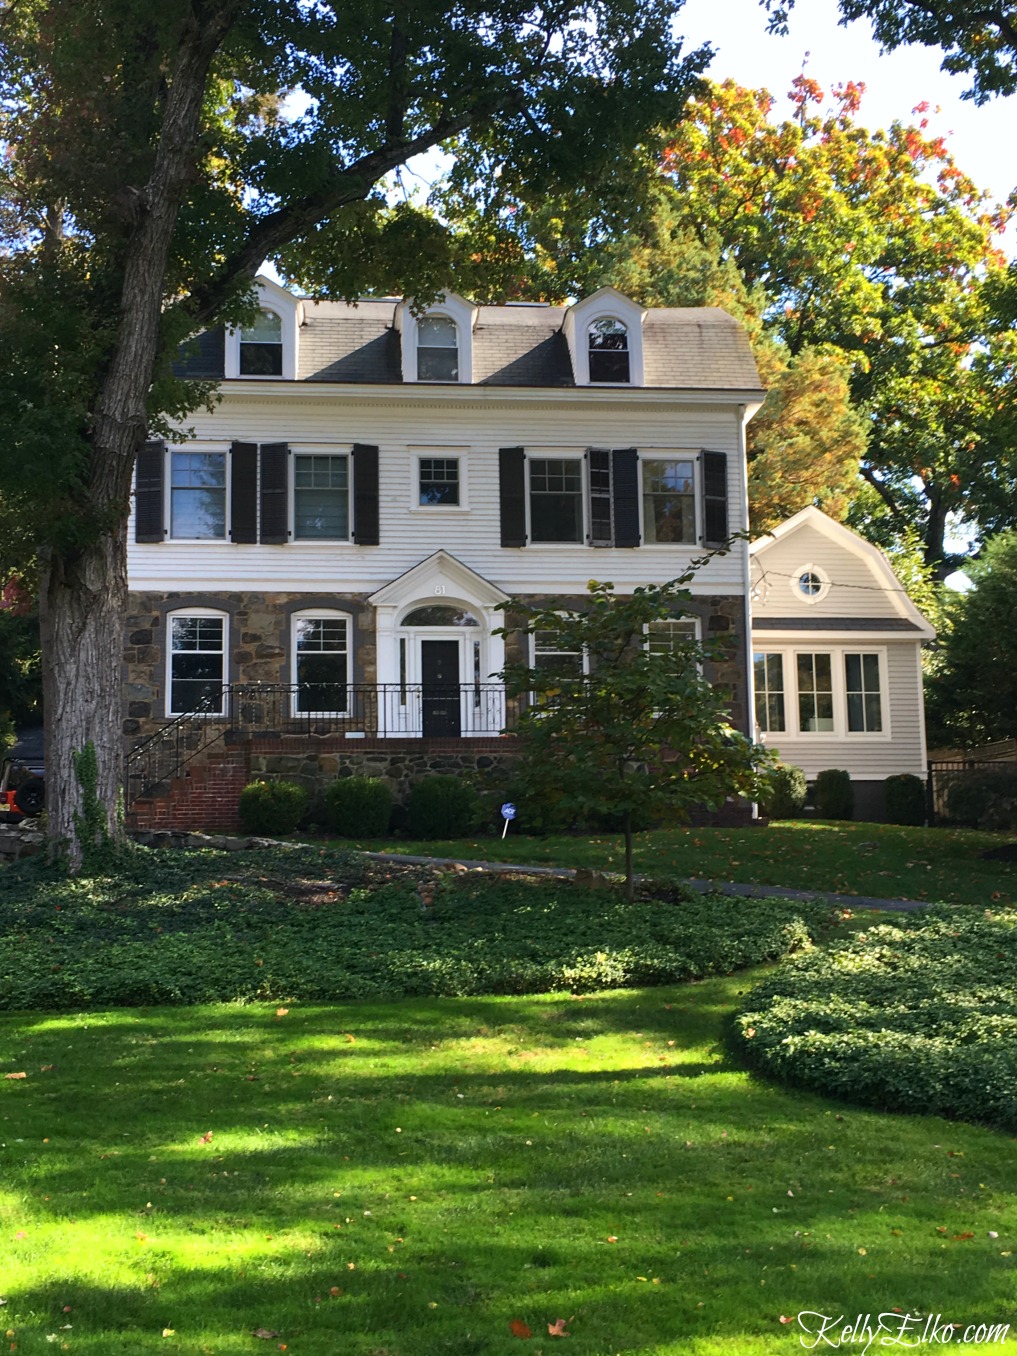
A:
437,349
669,501
556,499
261,347
321,497
608,351
439,482
198,495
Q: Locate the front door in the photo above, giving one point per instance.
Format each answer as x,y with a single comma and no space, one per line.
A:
439,673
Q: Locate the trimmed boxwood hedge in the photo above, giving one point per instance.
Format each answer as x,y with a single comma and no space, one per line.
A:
203,927
915,1015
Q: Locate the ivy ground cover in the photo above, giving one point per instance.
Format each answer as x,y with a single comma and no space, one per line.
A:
917,1013
885,861
317,925
460,1175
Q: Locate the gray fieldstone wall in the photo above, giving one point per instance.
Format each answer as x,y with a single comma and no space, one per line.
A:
259,645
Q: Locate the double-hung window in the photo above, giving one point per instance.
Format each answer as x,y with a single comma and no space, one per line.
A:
669,637
815,693
321,497
261,347
439,482
551,658
320,663
556,499
437,349
197,662
864,696
771,716
198,495
669,500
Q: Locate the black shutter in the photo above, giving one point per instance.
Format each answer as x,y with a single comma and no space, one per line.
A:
244,492
512,490
598,471
714,479
149,493
626,496
365,495
275,483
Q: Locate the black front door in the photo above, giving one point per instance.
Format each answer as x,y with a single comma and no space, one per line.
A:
439,669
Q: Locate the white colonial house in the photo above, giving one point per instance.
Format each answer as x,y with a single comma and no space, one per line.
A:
326,553
837,656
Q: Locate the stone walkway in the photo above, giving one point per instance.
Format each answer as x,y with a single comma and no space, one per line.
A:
722,887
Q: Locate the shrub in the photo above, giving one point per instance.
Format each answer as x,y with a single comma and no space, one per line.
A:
358,807
443,807
833,796
272,807
985,797
917,1015
904,799
785,793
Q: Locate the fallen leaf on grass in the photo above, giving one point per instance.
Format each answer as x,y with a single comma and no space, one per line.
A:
784,1319
16,1075
206,1138
962,1238
281,1012
557,1328
46,1068
267,1333
519,1329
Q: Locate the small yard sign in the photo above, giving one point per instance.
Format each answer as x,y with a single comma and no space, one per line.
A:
508,811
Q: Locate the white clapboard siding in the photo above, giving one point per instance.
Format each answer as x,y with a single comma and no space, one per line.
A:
474,430
859,586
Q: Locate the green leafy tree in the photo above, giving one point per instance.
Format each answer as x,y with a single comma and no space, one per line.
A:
642,732
979,37
152,163
972,695
865,266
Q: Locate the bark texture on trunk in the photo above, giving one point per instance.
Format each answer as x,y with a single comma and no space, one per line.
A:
83,601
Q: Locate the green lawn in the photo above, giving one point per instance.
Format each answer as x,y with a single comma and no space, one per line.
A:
861,859
410,1178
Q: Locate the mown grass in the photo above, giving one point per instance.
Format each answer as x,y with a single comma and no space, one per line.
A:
408,1179
880,860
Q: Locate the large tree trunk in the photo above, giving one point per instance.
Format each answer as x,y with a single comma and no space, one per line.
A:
83,600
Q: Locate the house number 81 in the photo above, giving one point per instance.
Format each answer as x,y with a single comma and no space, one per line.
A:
439,588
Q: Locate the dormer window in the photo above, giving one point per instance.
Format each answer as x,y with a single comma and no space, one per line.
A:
261,347
608,351
437,349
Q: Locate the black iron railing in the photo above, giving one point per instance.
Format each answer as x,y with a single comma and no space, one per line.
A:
948,774
351,711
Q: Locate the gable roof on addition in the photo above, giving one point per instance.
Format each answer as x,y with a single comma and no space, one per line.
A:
692,348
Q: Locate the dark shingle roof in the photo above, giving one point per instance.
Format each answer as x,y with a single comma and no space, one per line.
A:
833,624
690,348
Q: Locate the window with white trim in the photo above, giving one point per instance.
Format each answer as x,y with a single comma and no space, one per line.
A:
815,693
556,499
321,497
437,349
670,637
771,714
608,350
198,495
669,500
550,656
321,662
196,662
810,583
439,482
864,693
261,346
